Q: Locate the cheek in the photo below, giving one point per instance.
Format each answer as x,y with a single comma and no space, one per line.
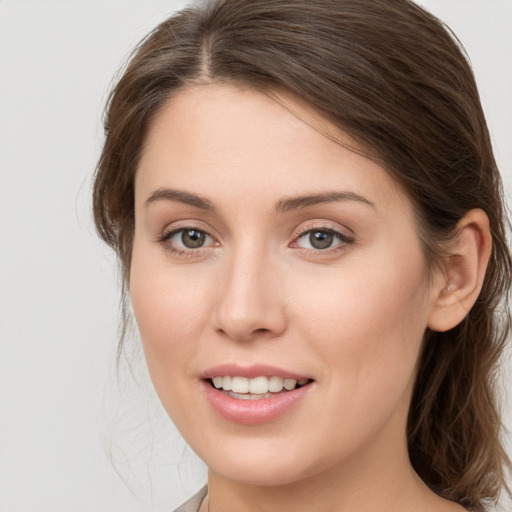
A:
368,332
169,310
369,324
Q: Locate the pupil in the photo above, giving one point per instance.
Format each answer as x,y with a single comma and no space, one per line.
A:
192,238
321,239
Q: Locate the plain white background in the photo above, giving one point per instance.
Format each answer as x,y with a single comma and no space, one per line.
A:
61,412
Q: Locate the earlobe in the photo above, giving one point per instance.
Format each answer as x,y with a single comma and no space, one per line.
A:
464,272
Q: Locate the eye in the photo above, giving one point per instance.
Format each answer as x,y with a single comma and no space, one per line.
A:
321,239
187,239
192,238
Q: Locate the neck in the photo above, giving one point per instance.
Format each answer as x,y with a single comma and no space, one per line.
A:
380,479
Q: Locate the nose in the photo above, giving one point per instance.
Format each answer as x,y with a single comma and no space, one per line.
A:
250,303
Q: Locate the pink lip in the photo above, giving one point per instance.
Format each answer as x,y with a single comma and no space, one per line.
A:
252,412
250,372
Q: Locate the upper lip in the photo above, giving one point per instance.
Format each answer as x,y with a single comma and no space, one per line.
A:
251,371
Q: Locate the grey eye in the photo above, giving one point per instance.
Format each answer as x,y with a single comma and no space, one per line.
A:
321,239
193,238
187,239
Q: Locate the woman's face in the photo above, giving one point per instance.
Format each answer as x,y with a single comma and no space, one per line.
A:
264,254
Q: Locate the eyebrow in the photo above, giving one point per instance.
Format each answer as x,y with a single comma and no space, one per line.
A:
299,202
282,206
179,196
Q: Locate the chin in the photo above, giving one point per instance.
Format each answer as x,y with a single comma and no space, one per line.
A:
265,473
254,462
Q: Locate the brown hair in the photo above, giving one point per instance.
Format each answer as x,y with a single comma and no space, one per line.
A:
392,76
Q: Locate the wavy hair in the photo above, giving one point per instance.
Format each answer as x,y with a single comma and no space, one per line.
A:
397,80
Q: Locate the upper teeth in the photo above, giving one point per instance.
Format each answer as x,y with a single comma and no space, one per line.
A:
258,385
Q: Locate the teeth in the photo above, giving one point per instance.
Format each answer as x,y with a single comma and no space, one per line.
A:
256,386
240,385
227,383
275,384
290,384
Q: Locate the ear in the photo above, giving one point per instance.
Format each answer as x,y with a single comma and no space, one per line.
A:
457,289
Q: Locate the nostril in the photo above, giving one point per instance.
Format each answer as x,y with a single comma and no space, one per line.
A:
248,335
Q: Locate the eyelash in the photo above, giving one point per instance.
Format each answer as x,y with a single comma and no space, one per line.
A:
167,236
343,239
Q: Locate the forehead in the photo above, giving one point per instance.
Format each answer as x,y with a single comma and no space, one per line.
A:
220,139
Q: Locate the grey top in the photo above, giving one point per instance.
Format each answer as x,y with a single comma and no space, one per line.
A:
194,503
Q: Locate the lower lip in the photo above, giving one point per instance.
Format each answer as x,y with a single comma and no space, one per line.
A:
253,412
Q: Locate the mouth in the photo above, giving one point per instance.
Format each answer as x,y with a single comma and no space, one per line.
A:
257,388
254,395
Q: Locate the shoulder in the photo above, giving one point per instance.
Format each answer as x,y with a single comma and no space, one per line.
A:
193,504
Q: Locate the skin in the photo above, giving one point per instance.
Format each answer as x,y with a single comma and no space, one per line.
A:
351,317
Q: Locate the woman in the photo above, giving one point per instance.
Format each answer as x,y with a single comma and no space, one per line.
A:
310,224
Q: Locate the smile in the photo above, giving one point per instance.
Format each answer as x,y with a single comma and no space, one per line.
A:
253,398
244,388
